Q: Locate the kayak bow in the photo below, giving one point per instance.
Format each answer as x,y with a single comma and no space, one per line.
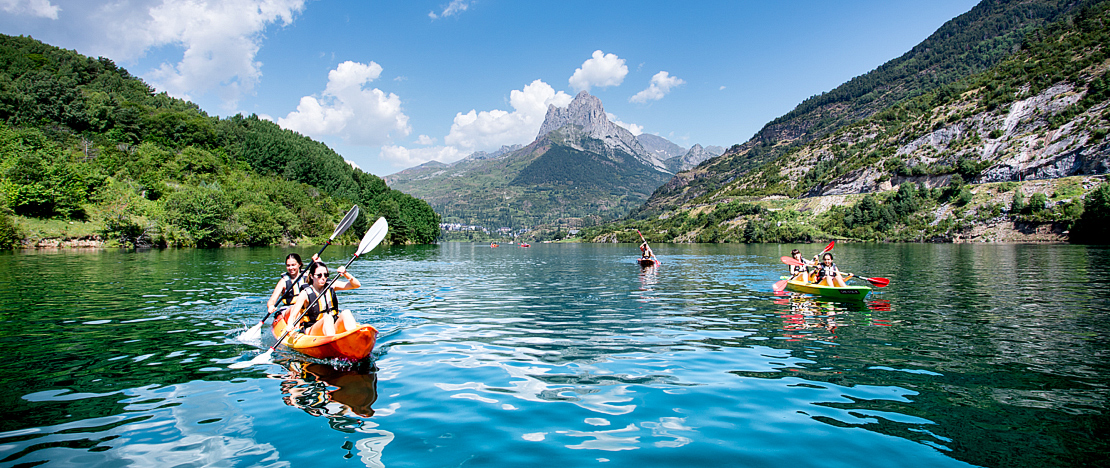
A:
354,345
847,293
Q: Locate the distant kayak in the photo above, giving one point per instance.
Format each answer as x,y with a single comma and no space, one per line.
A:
847,293
354,345
647,262
525,245
493,245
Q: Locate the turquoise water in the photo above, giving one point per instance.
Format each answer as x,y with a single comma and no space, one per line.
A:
563,355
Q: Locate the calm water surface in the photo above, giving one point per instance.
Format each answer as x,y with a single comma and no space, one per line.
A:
563,355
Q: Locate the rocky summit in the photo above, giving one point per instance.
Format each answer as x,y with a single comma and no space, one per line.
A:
580,170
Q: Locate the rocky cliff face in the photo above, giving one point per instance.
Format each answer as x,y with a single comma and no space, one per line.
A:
587,117
969,44
663,148
692,158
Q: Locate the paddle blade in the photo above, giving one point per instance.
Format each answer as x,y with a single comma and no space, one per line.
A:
252,335
373,237
346,222
791,261
779,286
878,282
263,358
828,248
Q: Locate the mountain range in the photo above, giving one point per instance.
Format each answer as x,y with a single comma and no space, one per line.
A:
580,170
967,45
994,128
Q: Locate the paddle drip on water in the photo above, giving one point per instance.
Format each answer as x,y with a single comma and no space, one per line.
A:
252,335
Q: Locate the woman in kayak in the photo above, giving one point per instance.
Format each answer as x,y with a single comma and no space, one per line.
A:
322,315
827,272
799,272
646,252
286,290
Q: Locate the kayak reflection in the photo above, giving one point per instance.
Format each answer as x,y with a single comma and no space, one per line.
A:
323,390
802,312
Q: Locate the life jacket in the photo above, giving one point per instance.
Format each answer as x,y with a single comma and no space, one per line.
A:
796,269
823,271
314,309
291,290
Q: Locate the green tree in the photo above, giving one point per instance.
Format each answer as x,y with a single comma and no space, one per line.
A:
201,212
259,227
1038,202
1093,226
1017,204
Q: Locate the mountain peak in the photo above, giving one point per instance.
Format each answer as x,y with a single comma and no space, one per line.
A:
587,114
585,111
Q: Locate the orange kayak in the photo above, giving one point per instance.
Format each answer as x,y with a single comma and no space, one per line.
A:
354,345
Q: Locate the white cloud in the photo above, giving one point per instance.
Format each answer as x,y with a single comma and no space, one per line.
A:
405,157
362,117
489,130
221,40
635,129
661,84
218,39
37,8
454,8
601,70
485,130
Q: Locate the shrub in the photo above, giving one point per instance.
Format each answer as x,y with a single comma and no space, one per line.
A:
9,234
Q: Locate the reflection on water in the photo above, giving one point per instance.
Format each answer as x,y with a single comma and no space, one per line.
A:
564,354
343,395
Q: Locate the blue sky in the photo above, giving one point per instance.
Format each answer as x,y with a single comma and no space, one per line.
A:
392,84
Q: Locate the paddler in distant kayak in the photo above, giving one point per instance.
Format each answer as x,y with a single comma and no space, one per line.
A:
645,252
322,316
288,286
828,273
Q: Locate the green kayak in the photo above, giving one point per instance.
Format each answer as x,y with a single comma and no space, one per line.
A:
847,293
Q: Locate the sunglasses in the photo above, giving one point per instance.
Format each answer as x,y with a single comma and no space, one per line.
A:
318,275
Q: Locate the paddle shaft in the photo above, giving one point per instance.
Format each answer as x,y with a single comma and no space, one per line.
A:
877,281
289,325
344,224
780,285
645,243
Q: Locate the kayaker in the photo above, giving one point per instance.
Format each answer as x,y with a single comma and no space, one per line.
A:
799,272
322,315
827,272
646,252
286,290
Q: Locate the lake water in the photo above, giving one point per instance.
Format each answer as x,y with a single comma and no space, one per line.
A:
564,355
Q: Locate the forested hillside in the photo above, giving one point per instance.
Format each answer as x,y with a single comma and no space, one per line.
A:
966,45
1021,147
87,150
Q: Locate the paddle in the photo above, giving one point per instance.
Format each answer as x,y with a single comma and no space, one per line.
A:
877,282
645,243
372,238
255,332
781,284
